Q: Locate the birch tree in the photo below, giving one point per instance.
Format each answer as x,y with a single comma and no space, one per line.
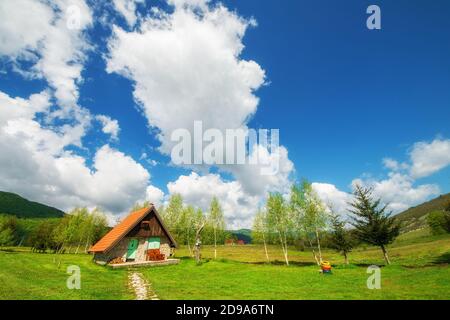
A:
260,230
187,223
217,221
173,212
199,225
279,220
309,215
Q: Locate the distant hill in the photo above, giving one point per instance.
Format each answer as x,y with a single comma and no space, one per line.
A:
243,234
13,204
415,217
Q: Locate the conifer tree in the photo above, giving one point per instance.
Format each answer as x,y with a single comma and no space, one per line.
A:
372,223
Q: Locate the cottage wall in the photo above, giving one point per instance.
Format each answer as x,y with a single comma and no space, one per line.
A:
120,250
165,247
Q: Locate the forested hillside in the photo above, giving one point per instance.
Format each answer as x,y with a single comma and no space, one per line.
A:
13,204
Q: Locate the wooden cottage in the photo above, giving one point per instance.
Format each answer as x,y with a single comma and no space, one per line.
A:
140,239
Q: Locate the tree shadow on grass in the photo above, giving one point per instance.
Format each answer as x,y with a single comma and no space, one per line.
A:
366,265
281,263
8,250
443,259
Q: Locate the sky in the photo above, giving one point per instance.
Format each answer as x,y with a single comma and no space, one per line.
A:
91,91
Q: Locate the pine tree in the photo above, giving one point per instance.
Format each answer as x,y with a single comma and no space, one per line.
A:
372,223
341,239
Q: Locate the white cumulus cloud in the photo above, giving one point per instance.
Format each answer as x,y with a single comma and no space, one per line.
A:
36,164
127,8
109,126
197,190
429,157
186,67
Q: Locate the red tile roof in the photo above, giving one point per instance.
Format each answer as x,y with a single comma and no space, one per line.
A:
120,231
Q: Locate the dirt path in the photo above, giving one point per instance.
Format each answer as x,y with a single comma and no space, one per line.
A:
141,288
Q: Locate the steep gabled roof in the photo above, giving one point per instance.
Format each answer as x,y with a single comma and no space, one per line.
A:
124,227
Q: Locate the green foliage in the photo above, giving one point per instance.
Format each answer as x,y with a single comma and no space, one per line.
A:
216,222
340,238
260,228
278,215
309,212
373,225
439,222
183,221
13,204
173,212
8,230
79,230
279,220
42,237
6,237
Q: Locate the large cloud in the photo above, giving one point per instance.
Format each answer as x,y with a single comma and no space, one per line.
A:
252,177
186,67
334,198
51,37
36,164
197,190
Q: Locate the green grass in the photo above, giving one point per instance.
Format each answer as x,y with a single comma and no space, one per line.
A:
420,270
234,280
34,276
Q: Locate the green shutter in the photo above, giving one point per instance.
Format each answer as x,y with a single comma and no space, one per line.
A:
154,243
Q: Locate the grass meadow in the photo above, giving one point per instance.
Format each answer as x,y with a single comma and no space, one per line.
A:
419,270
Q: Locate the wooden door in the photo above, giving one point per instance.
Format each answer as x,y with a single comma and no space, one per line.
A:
132,249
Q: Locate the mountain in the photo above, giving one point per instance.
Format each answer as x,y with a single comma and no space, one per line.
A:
11,203
415,217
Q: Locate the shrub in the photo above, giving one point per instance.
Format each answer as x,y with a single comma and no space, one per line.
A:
439,222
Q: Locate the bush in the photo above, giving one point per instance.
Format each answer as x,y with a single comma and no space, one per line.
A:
42,237
6,237
439,222
8,230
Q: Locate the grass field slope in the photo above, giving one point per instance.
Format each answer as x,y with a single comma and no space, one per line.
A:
13,204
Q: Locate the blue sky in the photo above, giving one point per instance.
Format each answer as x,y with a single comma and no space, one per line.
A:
344,98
